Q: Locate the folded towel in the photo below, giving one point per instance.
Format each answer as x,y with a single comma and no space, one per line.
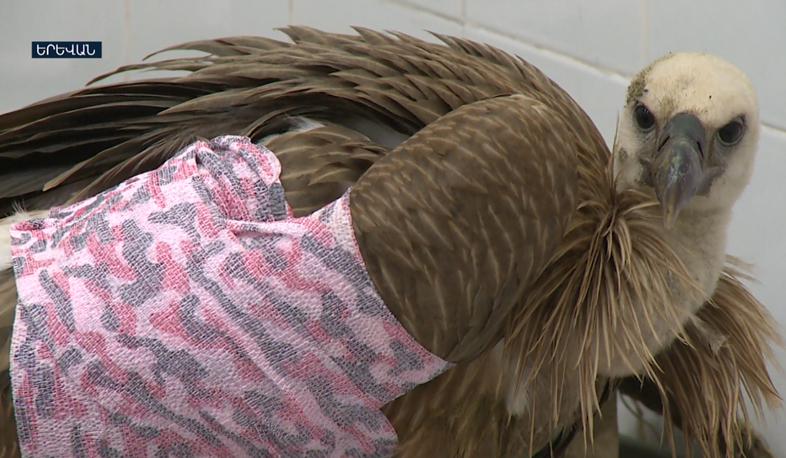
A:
186,312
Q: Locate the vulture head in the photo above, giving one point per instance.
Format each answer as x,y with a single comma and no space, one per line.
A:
688,132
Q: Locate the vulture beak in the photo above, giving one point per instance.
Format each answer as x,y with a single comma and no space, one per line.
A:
678,166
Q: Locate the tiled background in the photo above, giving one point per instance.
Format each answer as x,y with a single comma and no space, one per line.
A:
590,47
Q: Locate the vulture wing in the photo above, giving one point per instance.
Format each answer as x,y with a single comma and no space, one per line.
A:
458,221
381,86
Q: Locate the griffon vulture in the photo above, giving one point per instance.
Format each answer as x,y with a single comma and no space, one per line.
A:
533,266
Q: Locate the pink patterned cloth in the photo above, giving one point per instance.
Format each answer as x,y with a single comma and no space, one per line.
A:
187,313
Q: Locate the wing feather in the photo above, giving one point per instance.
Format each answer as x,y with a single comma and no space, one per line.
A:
454,297
252,86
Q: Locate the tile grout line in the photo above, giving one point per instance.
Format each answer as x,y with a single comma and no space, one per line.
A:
772,128
555,53
422,9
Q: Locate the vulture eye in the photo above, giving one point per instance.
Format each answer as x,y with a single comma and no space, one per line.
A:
644,118
730,133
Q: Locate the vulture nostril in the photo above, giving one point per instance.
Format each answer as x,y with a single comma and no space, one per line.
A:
701,150
664,142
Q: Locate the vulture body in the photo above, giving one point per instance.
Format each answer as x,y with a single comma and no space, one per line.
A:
493,220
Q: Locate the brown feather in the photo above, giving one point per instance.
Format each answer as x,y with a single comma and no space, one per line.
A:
310,162
726,352
227,93
461,206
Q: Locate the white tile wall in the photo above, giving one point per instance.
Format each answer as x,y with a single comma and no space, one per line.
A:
152,23
339,15
450,8
590,47
608,33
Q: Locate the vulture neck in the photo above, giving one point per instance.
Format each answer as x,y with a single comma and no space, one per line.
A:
699,237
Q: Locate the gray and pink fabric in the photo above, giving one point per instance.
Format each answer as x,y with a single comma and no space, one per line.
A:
186,312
